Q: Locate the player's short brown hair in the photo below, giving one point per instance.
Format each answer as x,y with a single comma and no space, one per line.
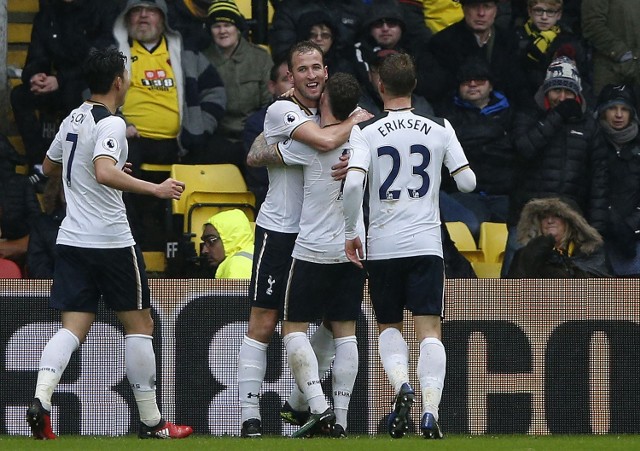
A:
303,47
398,74
344,92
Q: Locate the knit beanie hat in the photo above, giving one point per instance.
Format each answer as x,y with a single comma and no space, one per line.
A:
562,73
617,95
226,11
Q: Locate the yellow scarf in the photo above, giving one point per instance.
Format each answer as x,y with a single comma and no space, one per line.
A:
569,252
541,39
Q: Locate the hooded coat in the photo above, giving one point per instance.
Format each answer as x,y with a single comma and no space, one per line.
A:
539,259
237,238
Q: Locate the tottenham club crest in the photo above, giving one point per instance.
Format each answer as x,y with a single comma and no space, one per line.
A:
290,118
110,144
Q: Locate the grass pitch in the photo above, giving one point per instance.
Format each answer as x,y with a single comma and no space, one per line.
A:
352,443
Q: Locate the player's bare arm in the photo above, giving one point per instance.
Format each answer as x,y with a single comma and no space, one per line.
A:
51,168
328,138
263,154
108,174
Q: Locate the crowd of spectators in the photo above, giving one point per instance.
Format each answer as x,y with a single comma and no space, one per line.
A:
534,89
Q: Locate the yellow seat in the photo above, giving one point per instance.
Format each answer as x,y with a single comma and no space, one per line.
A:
487,270
202,205
464,241
493,240
149,167
155,261
22,6
19,33
220,178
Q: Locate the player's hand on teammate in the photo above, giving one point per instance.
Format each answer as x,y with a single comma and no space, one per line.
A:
360,115
170,189
287,94
354,251
339,170
132,131
127,168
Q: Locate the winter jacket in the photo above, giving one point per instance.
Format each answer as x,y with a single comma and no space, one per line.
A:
485,136
611,27
283,33
623,226
539,259
246,76
61,37
201,96
558,158
535,70
455,44
42,243
18,202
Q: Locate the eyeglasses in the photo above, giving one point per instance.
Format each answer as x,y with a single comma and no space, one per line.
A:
541,12
389,22
324,36
210,240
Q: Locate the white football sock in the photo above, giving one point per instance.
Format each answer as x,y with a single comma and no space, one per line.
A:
345,370
252,365
432,366
325,349
394,354
140,362
304,366
53,361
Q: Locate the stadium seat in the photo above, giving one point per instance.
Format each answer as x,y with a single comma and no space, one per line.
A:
219,178
464,241
9,269
493,240
202,205
149,167
154,261
487,270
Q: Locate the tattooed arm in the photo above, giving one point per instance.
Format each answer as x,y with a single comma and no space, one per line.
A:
263,154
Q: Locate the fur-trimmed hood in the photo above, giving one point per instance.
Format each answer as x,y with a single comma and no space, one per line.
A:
585,238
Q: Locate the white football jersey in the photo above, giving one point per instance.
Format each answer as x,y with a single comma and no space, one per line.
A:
96,215
321,236
280,211
403,152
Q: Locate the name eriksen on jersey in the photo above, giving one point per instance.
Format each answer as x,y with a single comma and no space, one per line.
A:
400,124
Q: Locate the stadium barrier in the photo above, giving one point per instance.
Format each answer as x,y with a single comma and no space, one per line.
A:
528,356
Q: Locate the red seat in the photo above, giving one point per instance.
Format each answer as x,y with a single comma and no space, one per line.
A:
9,269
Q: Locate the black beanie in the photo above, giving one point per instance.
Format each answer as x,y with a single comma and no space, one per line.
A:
617,95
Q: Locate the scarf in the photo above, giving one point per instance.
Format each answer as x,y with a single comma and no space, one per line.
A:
541,40
620,137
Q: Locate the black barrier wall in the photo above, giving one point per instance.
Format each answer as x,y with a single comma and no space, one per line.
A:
532,357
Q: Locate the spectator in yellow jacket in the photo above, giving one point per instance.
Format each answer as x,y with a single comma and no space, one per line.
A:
228,244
